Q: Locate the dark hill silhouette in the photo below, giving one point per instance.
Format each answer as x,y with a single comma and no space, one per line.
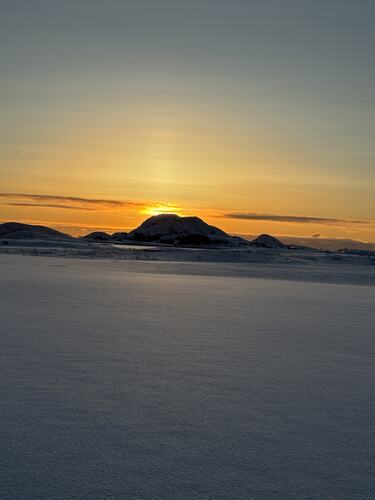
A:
267,241
98,236
120,236
173,229
163,228
20,231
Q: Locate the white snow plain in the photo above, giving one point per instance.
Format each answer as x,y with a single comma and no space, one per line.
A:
141,380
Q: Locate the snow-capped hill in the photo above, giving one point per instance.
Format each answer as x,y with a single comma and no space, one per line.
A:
171,228
267,241
98,236
16,230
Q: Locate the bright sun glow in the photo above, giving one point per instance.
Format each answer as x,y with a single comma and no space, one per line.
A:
157,209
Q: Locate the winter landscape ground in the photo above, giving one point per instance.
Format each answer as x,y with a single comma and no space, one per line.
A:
187,250
145,379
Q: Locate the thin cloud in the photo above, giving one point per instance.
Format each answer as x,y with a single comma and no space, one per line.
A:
296,219
66,202
48,205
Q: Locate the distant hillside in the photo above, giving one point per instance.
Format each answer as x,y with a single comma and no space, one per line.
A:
184,231
120,236
16,230
267,241
320,243
173,229
98,236
328,243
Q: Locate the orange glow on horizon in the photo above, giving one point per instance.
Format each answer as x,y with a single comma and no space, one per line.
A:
157,209
79,214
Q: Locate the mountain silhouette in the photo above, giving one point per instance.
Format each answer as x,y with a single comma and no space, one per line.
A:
173,229
16,230
267,241
163,228
98,236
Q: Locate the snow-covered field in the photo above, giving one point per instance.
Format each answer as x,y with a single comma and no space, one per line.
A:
160,380
295,264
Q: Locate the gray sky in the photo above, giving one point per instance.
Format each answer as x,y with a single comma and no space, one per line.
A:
276,88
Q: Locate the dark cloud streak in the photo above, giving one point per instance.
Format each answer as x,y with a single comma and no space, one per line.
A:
67,202
48,205
297,219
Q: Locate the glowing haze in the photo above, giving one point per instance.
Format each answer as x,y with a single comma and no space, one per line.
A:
257,116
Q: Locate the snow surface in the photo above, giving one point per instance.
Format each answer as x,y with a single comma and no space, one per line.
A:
148,380
280,263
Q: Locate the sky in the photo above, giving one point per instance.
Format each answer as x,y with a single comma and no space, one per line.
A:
256,115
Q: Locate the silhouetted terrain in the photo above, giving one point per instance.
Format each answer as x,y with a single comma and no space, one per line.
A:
98,236
184,232
29,231
163,228
173,229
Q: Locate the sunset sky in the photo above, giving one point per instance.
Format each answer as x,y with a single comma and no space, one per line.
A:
256,115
